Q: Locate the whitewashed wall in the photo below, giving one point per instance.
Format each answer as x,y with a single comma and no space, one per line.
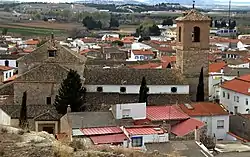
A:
134,89
5,119
12,62
211,122
7,74
230,103
137,110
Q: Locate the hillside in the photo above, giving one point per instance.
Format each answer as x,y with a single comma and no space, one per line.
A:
19,143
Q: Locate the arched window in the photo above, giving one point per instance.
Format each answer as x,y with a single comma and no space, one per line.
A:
179,34
196,34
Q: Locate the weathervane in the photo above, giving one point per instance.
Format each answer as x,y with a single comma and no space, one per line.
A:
193,4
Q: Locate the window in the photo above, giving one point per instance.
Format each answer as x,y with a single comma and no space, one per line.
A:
237,99
220,124
179,34
141,57
224,94
48,100
9,74
196,34
228,96
126,113
6,63
136,57
246,101
235,109
123,89
173,89
99,89
136,141
52,53
6,75
16,64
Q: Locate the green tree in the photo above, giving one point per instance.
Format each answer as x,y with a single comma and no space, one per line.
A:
167,22
70,93
4,31
200,88
113,22
23,122
143,93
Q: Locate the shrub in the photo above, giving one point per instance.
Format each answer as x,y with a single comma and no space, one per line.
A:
76,144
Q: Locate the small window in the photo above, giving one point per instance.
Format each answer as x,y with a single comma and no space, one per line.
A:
136,57
99,89
237,99
52,53
123,89
126,113
228,96
223,94
9,74
235,109
220,124
6,63
48,100
196,34
246,101
136,141
6,75
16,64
179,34
173,89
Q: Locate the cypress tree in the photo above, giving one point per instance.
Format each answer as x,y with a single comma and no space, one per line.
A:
143,94
200,88
70,93
23,112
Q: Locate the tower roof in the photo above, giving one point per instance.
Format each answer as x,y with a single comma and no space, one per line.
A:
193,15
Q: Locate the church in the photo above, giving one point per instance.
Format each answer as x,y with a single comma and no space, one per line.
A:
41,72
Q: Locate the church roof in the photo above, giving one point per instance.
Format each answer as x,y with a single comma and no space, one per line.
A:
193,15
127,76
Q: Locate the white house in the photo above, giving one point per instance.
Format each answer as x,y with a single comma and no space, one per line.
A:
140,135
141,55
133,110
242,45
235,95
214,116
140,46
113,35
6,72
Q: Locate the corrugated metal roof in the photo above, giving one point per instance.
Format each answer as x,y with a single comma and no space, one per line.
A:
101,130
156,113
186,127
108,139
145,130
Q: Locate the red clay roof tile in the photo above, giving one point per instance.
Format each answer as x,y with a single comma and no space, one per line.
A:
108,139
186,127
216,67
204,109
142,52
101,130
144,130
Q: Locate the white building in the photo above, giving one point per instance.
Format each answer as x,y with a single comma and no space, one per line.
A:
140,46
140,135
235,95
111,35
214,116
6,73
4,118
141,55
242,45
133,110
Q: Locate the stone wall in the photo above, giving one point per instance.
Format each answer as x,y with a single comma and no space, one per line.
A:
240,126
37,93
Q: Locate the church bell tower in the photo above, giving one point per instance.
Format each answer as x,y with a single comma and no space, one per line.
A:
192,46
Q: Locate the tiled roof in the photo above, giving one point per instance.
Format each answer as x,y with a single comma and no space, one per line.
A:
32,42
92,119
158,113
223,40
89,40
165,49
142,122
142,52
204,109
168,59
146,66
144,130
240,85
118,76
108,139
186,127
88,50
216,67
193,15
5,68
33,111
112,39
160,42
101,130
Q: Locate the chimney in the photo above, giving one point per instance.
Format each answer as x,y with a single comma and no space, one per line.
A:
222,70
68,109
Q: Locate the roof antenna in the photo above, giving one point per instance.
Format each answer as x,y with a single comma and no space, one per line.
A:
193,4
